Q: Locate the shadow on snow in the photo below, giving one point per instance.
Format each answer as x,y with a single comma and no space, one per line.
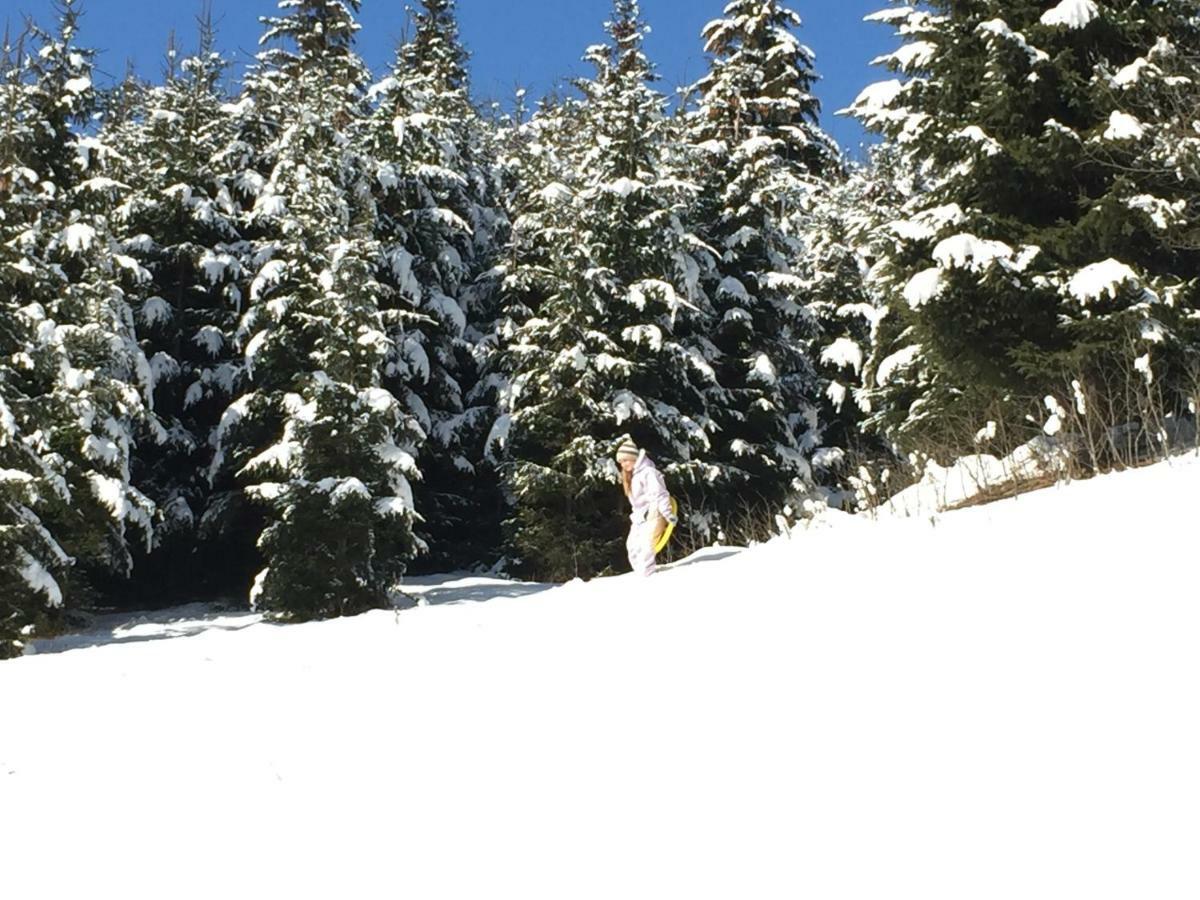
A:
199,618
132,628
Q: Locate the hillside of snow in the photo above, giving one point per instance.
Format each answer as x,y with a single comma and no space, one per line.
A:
999,702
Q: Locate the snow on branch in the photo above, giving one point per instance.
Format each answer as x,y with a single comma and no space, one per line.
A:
1072,14
842,353
1103,279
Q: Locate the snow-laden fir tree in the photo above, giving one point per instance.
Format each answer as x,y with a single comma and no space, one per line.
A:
177,214
536,158
1161,90
316,439
1156,164
32,561
75,387
844,235
760,156
438,223
1024,274
607,283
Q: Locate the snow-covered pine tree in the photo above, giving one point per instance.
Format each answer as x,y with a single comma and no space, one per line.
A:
606,275
844,233
438,224
316,439
178,216
537,157
1152,146
536,163
760,156
75,385
1162,90
32,562
533,152
1021,270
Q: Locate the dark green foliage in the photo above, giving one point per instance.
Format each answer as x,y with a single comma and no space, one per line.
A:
566,524
330,546
74,386
844,236
175,157
438,217
1013,117
759,159
316,440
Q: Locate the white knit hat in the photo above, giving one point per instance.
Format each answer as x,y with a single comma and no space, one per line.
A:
627,448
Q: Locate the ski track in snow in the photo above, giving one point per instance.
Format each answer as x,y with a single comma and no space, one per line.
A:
999,702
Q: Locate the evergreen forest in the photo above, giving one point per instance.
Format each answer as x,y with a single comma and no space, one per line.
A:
285,335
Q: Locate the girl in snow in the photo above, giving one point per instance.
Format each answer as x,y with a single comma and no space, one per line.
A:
647,492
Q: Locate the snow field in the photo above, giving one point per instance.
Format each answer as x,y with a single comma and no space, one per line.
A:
1005,708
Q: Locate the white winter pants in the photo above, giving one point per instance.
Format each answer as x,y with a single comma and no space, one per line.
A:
640,546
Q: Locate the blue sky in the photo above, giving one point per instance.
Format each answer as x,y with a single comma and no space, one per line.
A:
514,43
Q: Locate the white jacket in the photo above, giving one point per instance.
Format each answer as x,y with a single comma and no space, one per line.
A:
648,492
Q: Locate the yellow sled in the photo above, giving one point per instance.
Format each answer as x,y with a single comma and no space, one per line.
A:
666,535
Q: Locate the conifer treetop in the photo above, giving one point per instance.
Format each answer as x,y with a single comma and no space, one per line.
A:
316,37
760,84
205,67
63,92
435,50
624,57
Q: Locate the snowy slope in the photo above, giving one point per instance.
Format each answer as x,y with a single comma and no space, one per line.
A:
1006,707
